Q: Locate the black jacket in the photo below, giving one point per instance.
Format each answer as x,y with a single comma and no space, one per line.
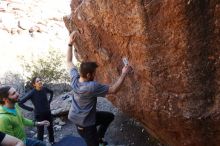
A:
39,100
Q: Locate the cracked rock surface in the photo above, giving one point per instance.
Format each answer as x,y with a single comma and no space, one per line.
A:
173,46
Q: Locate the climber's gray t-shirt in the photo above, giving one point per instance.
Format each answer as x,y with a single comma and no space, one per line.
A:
83,107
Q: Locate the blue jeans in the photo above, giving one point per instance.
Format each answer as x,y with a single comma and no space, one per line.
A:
34,142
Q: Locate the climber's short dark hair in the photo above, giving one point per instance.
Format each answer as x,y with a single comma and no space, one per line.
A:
87,67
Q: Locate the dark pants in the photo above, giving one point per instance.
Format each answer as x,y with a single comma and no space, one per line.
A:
91,134
40,129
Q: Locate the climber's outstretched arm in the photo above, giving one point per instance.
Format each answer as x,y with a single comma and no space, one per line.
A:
70,50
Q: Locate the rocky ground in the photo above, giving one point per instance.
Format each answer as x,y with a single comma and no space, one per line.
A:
124,131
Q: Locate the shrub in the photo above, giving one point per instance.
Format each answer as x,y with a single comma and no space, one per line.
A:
49,67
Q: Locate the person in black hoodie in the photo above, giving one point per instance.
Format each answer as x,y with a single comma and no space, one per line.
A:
38,97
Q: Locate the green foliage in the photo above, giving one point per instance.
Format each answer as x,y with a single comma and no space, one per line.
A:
49,67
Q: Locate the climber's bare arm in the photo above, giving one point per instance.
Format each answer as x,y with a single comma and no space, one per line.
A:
70,50
69,57
116,86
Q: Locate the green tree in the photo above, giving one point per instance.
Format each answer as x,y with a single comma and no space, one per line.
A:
49,67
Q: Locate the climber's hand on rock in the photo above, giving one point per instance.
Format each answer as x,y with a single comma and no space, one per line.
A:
72,37
126,69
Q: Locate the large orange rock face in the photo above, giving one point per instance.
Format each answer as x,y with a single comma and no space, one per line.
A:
174,48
